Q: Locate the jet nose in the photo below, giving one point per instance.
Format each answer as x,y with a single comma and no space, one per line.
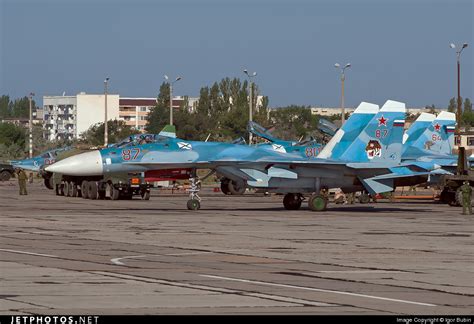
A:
84,164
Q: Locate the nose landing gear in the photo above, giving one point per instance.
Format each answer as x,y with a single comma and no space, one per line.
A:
194,202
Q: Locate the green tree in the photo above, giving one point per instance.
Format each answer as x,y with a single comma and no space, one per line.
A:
20,108
159,115
117,130
12,134
294,122
452,105
4,106
467,105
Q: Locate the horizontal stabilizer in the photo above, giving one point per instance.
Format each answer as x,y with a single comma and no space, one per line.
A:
282,173
377,186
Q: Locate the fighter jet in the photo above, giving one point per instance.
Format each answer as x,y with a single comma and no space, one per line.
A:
35,163
369,162
310,148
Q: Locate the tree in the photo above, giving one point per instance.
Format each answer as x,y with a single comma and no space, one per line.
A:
467,105
4,106
117,130
12,134
158,117
293,122
452,105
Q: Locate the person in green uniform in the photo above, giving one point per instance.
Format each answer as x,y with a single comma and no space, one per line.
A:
466,197
22,177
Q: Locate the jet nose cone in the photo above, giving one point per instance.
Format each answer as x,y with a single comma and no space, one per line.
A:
84,164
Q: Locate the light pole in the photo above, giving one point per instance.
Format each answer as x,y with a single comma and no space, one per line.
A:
250,76
458,112
30,99
343,77
171,96
106,132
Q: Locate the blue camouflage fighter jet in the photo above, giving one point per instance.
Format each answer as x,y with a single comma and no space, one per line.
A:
368,160
35,163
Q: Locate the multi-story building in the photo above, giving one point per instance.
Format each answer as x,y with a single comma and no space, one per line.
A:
67,117
134,111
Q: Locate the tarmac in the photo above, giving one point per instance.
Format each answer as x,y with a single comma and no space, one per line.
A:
237,255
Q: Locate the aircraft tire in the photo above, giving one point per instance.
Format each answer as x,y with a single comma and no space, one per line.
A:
74,191
292,201
364,198
61,188
48,182
225,187
236,189
93,191
5,175
58,190
67,189
317,202
115,193
85,189
193,204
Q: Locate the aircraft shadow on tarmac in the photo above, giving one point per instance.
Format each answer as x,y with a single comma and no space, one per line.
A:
346,210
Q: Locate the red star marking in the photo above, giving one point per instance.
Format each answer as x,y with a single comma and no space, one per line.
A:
437,127
382,121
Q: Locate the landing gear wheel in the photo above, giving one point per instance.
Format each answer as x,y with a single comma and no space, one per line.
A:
236,188
317,202
66,189
5,175
364,198
74,191
69,185
193,204
292,201
59,190
115,194
85,189
92,190
225,187
48,182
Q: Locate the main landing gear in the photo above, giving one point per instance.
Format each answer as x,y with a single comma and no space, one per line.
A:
292,201
316,202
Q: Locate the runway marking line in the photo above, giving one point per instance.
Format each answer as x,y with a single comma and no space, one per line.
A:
316,289
30,253
294,301
117,260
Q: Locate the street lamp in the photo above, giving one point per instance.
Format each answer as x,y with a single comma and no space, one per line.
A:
30,126
106,132
458,112
250,76
343,77
171,96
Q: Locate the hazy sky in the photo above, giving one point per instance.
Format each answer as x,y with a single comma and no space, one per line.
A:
399,49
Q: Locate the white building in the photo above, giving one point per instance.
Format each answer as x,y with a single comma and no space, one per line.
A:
66,117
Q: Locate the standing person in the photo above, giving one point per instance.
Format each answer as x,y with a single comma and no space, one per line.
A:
466,198
22,177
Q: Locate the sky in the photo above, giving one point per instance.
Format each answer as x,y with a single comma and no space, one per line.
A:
398,49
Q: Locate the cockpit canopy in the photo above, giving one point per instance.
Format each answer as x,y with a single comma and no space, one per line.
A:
140,139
